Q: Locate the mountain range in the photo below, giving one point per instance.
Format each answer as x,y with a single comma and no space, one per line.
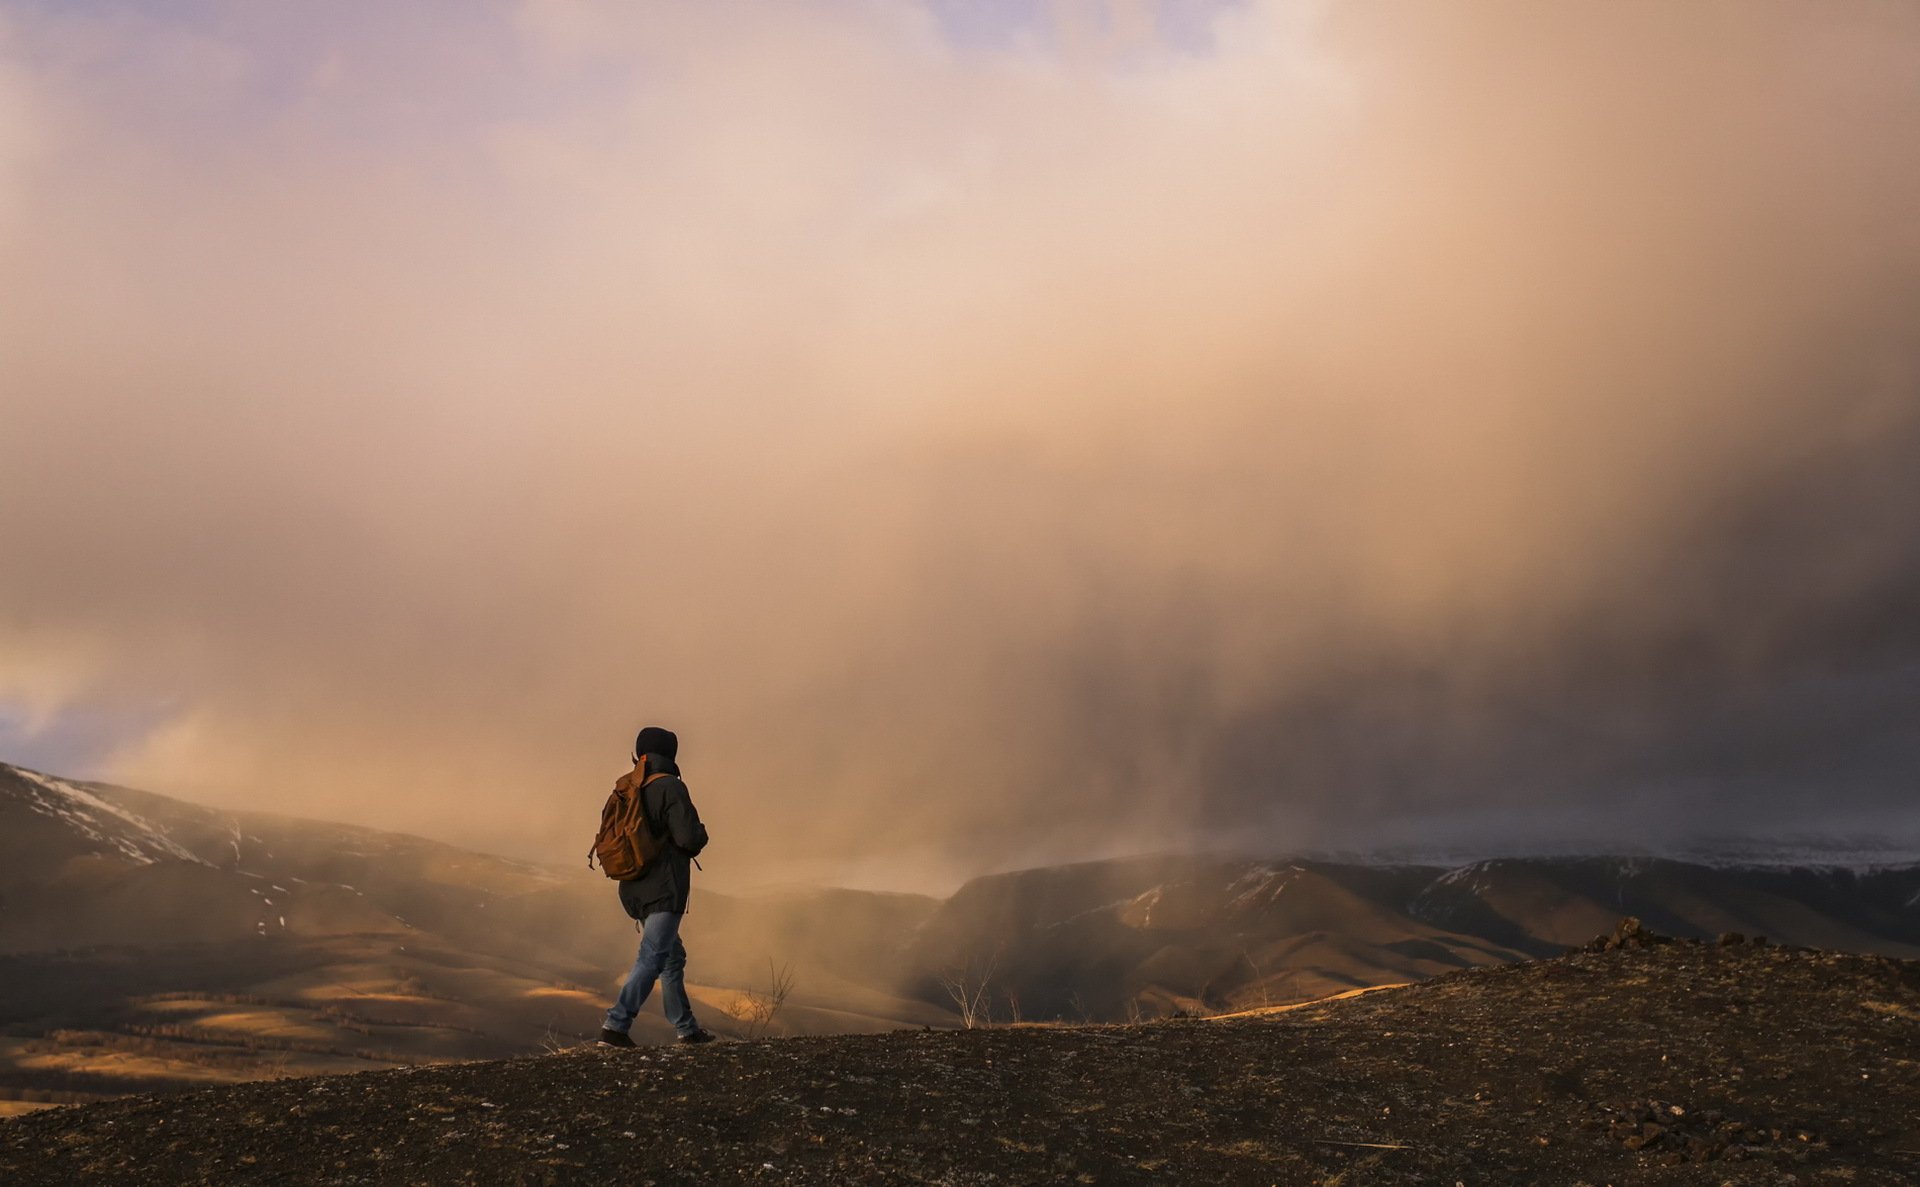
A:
149,943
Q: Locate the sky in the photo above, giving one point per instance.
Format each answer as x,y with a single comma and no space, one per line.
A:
990,433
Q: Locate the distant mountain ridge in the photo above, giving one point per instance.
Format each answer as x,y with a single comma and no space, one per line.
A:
1200,934
1740,852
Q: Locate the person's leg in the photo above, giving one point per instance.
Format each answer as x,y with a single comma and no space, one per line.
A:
673,990
659,936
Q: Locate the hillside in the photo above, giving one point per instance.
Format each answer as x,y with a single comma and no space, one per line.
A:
1676,1063
1196,934
149,944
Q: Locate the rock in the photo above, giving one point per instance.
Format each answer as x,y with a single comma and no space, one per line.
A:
1731,939
1630,933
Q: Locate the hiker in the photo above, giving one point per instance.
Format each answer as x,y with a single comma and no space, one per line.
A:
657,895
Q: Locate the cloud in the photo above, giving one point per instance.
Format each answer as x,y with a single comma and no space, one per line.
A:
982,450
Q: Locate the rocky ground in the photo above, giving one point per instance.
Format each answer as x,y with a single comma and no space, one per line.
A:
1642,1062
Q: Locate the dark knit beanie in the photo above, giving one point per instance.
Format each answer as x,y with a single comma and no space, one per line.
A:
654,740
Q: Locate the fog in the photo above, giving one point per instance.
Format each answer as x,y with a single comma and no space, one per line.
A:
988,434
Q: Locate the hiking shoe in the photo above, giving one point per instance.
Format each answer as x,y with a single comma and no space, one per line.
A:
614,1038
698,1035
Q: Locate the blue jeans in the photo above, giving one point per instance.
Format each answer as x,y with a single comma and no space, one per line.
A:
662,958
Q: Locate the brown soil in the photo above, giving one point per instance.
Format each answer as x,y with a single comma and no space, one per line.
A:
1650,1063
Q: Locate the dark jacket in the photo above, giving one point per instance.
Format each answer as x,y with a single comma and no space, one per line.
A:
665,884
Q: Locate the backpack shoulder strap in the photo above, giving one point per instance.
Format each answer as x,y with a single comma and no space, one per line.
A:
640,794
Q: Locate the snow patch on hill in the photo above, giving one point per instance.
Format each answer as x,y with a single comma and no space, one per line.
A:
125,833
1863,856
1261,885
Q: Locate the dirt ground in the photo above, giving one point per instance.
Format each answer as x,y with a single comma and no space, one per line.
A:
1683,1063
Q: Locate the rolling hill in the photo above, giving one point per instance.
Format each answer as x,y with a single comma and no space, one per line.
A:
1157,936
148,944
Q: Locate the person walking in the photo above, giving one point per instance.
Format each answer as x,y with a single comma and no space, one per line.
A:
657,897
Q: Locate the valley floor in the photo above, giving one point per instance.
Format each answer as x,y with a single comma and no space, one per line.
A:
1679,1063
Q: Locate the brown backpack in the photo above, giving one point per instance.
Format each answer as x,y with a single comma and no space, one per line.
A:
627,843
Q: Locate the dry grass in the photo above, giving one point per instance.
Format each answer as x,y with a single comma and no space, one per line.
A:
265,1024
759,1007
552,992
101,1062
1264,1011
183,1039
